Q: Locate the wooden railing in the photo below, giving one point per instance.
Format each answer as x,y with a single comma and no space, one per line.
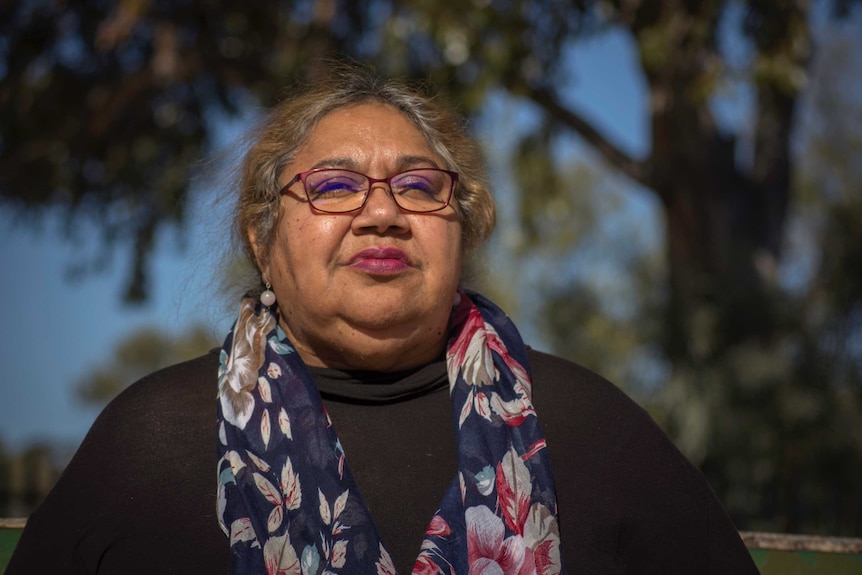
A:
815,543
774,553
783,554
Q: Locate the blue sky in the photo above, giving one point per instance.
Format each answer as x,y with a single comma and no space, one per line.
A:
60,330
57,330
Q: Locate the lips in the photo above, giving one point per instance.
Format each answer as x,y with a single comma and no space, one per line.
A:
380,261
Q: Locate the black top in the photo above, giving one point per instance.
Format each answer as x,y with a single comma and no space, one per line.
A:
140,494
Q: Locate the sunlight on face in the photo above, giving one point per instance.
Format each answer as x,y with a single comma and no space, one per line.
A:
373,288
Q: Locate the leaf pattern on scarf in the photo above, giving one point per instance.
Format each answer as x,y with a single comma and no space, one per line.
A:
241,530
264,389
278,346
290,486
339,554
279,557
310,560
275,519
236,462
284,424
498,514
340,504
239,372
514,488
430,553
483,406
542,535
384,564
265,428
325,513
466,409
469,354
513,412
267,489
425,565
485,480
257,461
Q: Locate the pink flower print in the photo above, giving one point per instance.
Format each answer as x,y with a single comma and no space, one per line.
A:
522,380
513,412
425,566
488,552
513,490
438,527
469,352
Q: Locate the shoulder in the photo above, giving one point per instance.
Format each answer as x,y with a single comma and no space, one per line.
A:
571,399
629,500
168,395
174,406
143,474
591,418
591,424
168,387
601,429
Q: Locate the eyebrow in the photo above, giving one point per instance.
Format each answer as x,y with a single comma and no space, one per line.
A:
404,163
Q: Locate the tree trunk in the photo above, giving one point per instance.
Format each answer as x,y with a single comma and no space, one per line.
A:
724,221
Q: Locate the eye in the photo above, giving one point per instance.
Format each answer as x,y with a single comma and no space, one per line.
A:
418,181
334,184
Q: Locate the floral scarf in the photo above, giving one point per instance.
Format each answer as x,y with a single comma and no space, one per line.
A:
288,501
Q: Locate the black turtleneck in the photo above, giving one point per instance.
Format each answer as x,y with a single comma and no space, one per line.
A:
139,495
401,455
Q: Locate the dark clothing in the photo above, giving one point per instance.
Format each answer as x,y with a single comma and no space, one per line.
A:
140,494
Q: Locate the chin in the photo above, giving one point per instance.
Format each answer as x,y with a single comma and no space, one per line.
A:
397,318
382,306
383,318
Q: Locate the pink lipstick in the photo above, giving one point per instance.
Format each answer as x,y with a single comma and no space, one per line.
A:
380,261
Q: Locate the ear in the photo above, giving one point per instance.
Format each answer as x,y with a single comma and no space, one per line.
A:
259,252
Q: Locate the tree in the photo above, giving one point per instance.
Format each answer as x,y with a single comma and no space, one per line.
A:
144,77
774,422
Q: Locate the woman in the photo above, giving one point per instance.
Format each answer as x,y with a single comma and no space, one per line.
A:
458,449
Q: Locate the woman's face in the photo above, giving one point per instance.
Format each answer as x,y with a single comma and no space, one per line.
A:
373,288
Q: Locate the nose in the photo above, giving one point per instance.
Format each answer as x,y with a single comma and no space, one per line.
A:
385,190
380,211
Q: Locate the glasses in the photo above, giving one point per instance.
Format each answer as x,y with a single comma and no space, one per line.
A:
336,191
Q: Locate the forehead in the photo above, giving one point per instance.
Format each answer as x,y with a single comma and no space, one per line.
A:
361,134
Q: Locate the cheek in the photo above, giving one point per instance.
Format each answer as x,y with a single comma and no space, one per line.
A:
448,248
307,244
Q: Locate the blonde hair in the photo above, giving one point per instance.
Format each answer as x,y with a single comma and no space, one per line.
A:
287,126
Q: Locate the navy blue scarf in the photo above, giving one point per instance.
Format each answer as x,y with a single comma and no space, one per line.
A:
288,501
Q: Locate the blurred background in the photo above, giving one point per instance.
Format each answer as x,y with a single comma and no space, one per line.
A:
679,188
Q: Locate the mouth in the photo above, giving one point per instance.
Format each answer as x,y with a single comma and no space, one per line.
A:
380,261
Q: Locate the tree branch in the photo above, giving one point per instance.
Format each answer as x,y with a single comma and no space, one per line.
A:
639,171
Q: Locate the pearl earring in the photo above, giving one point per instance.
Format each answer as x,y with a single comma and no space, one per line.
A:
267,297
456,301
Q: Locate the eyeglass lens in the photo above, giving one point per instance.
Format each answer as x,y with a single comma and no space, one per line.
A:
335,190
